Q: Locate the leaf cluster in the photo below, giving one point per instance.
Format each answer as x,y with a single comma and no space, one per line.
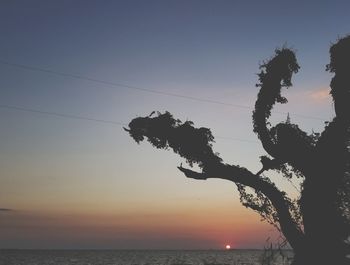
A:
164,132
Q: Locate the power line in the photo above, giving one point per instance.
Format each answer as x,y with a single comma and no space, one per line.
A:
154,91
148,90
76,117
61,115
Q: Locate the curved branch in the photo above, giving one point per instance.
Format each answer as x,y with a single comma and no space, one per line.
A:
278,199
285,142
274,75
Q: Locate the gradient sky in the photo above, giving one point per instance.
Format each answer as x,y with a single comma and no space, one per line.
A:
67,183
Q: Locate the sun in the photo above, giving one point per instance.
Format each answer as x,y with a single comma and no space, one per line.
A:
228,247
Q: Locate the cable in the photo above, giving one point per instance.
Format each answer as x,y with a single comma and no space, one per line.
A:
39,69
33,68
62,115
76,117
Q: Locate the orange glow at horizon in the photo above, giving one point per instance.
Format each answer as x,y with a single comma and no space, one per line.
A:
228,247
200,228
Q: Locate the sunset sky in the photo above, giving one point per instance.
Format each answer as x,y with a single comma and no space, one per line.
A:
79,183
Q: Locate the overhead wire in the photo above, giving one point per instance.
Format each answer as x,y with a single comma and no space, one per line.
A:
148,90
78,117
61,115
115,84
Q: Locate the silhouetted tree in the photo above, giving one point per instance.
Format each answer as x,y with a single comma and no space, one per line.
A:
317,224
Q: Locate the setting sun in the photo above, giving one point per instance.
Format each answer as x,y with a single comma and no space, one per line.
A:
228,247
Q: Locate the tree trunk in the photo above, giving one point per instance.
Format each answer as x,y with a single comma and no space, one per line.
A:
325,228
316,253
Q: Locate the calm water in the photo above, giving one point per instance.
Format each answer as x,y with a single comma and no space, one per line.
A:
134,257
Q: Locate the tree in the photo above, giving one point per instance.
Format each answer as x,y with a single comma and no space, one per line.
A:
317,224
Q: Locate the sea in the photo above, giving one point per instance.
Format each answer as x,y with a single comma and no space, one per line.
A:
145,257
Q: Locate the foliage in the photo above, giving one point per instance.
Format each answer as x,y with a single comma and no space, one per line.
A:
320,218
164,132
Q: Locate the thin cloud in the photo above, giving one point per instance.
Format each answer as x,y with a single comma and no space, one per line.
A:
319,95
6,210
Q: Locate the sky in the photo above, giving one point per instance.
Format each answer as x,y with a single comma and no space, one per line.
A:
79,183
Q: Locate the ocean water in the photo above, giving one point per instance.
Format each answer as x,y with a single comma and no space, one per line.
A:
138,257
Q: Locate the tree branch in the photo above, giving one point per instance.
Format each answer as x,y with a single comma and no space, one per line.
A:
285,141
243,176
193,174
